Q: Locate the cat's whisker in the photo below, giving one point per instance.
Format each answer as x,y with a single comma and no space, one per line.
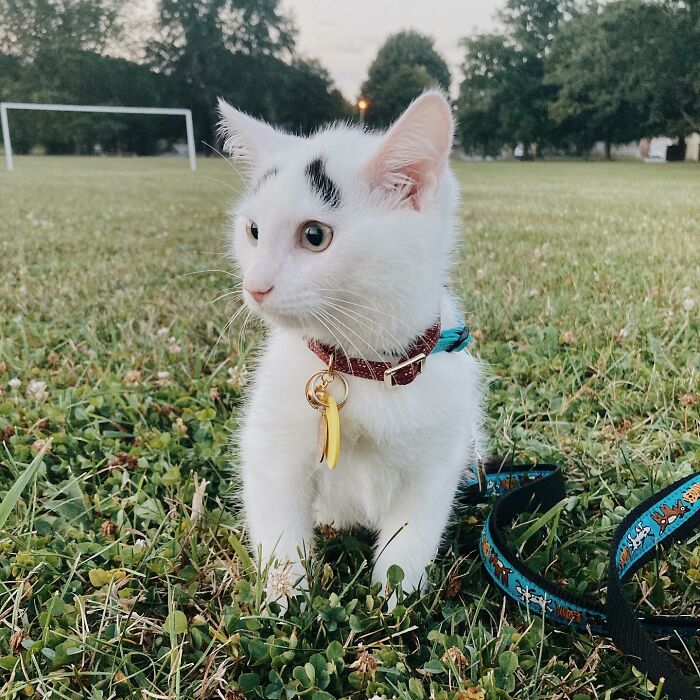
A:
318,318
357,317
351,292
220,182
329,321
214,254
369,308
227,294
229,161
204,272
244,327
337,321
356,334
226,327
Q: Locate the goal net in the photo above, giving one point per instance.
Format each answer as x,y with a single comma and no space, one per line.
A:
6,106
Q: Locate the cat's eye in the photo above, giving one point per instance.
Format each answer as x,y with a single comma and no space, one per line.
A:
252,229
316,236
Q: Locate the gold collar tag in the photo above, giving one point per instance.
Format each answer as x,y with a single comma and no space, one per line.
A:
319,398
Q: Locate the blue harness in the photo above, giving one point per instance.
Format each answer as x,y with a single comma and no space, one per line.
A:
668,516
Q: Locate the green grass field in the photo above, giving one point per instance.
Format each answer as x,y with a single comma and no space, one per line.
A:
118,398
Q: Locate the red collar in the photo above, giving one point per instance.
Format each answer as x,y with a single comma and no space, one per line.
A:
402,372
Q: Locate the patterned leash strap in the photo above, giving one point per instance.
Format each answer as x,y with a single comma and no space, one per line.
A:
666,517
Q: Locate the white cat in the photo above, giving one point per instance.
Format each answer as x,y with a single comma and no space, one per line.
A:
347,237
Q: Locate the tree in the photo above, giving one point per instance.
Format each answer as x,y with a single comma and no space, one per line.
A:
297,96
31,27
405,65
672,66
200,37
533,24
504,98
487,95
626,70
83,77
304,97
599,67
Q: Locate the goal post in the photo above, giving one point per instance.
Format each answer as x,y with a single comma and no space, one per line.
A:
5,106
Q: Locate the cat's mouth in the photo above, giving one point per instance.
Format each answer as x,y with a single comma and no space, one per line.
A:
280,313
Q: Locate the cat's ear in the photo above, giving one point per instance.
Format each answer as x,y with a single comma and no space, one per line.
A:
248,138
414,152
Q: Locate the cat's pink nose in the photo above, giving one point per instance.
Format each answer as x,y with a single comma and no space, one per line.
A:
258,294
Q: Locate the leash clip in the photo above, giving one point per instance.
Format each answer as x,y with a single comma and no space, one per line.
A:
463,338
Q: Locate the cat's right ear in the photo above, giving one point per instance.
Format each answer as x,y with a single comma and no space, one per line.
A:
248,138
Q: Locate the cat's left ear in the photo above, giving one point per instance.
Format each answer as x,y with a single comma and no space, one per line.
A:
248,138
413,156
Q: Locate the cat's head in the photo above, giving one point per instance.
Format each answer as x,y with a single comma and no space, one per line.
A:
346,235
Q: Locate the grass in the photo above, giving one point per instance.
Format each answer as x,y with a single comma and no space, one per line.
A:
582,285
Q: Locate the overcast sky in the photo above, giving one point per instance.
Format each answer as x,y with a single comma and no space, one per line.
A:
346,34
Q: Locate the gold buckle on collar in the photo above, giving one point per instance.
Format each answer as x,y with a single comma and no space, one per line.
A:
389,373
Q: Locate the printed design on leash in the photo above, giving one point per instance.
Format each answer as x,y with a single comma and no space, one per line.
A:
659,522
534,599
669,515
643,531
500,569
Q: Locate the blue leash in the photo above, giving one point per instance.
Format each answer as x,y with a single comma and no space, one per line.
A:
453,340
668,516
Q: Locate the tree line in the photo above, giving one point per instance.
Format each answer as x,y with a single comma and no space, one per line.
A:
561,74
565,75
196,50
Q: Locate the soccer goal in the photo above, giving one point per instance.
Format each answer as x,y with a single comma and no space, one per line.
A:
6,106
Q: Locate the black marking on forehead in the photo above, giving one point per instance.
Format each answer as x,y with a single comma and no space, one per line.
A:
272,172
320,183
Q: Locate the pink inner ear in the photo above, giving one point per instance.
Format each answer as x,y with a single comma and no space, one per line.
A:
415,150
405,183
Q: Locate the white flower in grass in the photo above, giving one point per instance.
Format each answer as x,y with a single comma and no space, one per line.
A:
279,582
173,348
237,376
132,378
162,332
41,444
200,494
689,304
163,378
37,391
14,383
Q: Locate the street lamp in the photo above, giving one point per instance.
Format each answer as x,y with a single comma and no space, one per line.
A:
362,106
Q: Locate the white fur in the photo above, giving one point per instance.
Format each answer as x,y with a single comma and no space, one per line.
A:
405,449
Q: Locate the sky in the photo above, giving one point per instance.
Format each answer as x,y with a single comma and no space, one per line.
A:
345,35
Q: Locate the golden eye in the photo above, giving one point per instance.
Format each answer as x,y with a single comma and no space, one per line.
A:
316,236
252,229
